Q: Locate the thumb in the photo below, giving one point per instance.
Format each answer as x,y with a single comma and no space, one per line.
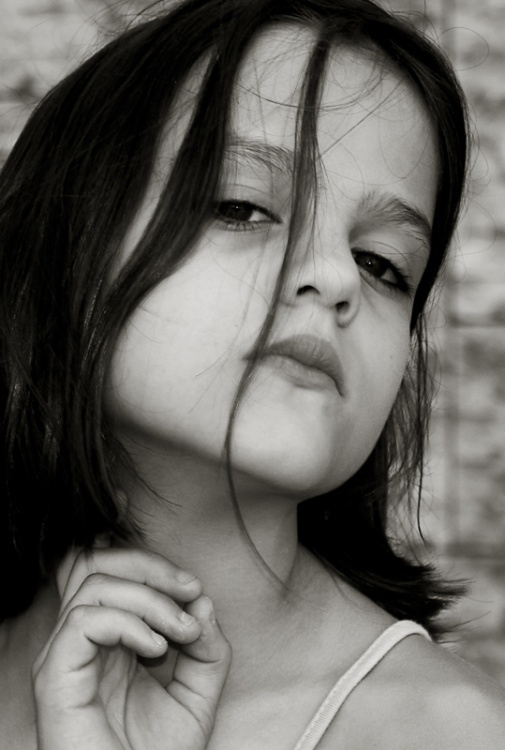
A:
202,666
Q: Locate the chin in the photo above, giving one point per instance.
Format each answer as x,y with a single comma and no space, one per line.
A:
277,469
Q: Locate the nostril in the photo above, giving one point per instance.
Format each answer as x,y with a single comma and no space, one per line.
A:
342,307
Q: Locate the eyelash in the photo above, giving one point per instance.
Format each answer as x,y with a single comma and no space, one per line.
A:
242,225
402,284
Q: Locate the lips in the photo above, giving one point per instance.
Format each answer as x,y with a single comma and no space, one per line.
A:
310,351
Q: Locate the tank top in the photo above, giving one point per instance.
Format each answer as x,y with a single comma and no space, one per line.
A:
354,675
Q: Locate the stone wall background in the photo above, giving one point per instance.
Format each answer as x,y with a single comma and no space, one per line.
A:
464,502
464,509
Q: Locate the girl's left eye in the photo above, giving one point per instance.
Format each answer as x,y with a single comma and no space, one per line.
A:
243,215
382,269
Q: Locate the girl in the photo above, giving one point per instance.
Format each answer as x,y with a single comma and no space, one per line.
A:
218,238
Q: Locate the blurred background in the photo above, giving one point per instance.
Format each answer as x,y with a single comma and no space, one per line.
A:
464,497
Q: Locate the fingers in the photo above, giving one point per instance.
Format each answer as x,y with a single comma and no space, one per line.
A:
67,564
78,642
65,568
143,584
117,605
132,598
134,565
202,667
159,611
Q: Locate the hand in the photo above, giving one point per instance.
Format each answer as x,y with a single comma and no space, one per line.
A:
92,693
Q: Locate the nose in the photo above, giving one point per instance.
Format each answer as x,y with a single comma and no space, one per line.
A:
327,275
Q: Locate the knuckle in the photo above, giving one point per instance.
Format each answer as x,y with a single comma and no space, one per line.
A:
155,569
77,616
96,579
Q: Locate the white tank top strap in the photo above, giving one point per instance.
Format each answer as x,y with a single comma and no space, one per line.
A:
354,675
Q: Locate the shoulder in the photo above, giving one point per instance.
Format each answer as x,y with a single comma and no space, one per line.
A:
445,703
421,697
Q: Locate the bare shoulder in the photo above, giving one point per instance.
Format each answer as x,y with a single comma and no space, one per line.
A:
422,697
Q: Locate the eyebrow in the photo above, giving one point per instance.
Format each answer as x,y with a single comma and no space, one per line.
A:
381,207
273,157
391,209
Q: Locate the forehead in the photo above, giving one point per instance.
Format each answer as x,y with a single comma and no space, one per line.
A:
373,129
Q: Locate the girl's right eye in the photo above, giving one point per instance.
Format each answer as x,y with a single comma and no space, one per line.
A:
239,216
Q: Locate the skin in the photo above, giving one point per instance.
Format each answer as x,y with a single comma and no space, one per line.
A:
207,316
172,384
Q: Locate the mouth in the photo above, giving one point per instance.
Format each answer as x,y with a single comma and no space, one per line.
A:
310,360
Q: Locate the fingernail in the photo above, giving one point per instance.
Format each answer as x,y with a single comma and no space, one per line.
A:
209,610
185,618
158,639
184,577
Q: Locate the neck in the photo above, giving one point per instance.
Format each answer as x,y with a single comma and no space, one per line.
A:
248,561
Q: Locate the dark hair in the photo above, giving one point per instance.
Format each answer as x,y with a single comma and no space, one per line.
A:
68,193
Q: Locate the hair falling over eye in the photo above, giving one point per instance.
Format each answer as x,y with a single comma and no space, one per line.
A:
68,192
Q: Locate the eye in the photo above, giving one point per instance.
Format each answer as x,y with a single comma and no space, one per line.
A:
382,269
243,215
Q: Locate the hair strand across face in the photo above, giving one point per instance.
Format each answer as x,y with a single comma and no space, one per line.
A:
68,194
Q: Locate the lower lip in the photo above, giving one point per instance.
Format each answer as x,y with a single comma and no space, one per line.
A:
300,374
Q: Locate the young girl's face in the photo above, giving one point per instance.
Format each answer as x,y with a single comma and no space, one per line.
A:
302,428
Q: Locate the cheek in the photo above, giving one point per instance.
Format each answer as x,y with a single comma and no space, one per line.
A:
388,364
179,359
167,388
141,377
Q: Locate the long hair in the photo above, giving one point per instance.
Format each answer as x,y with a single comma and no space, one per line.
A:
68,193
